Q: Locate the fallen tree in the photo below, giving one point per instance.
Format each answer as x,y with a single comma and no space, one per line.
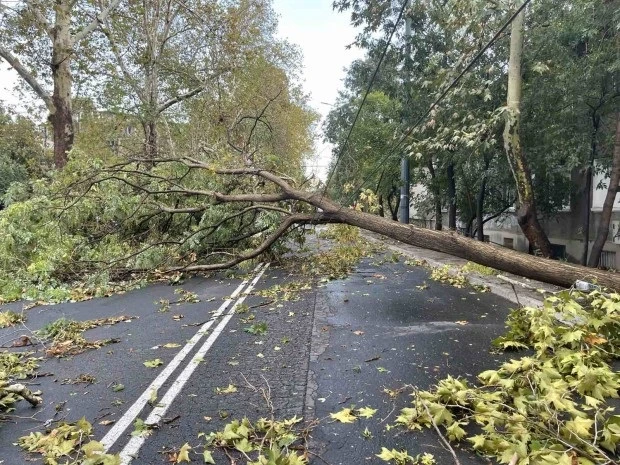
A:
296,206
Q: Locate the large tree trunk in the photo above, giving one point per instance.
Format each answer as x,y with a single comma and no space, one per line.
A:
61,115
451,197
526,208
612,190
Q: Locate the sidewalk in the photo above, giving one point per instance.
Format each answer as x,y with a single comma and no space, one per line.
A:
517,289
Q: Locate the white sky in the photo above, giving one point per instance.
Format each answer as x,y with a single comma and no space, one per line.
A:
321,33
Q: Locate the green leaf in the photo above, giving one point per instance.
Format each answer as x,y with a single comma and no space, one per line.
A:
153,363
207,457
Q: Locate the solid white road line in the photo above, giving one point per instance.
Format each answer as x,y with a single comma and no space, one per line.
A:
131,414
130,451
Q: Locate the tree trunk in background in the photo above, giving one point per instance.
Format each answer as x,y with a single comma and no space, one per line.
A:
480,210
451,197
150,140
436,196
603,227
526,208
480,201
61,116
596,121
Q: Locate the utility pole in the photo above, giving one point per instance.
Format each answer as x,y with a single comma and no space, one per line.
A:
404,165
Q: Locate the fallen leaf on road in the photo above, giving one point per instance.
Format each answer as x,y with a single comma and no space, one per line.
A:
227,390
358,332
22,342
344,416
462,322
171,345
373,359
367,412
382,370
117,387
153,363
177,317
106,422
183,455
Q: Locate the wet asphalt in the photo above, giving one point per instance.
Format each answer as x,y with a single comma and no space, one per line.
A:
385,327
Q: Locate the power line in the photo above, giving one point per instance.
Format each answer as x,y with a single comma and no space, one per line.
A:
359,110
453,84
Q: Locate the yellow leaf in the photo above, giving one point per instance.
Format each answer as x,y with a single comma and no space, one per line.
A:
183,455
344,416
367,412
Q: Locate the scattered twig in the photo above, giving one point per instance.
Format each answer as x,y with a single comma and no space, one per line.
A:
25,393
514,289
167,421
441,436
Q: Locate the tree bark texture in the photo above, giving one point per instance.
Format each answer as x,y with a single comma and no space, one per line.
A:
61,115
436,196
451,197
603,228
480,201
150,140
527,216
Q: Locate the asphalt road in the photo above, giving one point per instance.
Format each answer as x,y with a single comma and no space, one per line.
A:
340,344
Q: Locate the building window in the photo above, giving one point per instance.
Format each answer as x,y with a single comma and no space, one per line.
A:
607,260
509,242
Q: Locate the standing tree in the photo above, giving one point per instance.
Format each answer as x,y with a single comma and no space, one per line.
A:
612,190
39,35
165,52
527,215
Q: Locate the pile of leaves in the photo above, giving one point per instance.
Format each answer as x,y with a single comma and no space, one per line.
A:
69,442
444,274
67,338
349,247
10,318
264,442
549,407
13,368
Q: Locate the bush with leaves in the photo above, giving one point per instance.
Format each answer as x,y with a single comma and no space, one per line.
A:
550,407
